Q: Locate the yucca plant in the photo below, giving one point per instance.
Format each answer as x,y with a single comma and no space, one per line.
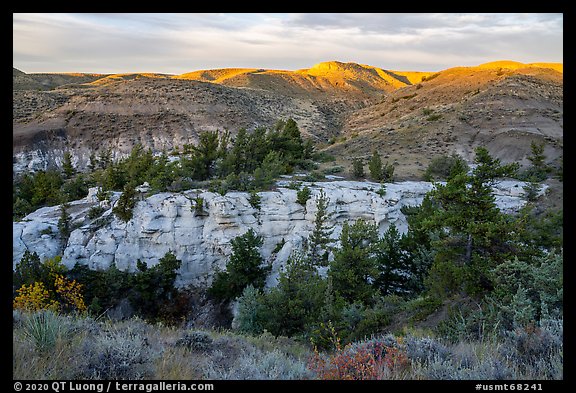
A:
43,328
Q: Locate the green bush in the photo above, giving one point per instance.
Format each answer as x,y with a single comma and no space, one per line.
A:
152,288
102,289
95,212
29,270
375,167
333,170
420,308
314,176
195,340
198,206
531,189
445,278
295,185
354,268
538,171
296,302
525,291
103,195
442,167
64,226
323,156
303,195
434,117
250,311
32,191
361,322
255,200
121,352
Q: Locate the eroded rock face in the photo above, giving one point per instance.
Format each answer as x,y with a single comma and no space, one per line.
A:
169,222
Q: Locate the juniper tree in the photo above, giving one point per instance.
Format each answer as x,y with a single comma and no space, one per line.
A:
473,233
357,168
205,154
126,203
92,163
393,263
255,200
375,167
67,166
354,268
64,222
105,159
243,268
539,169
388,172
319,239
303,195
297,301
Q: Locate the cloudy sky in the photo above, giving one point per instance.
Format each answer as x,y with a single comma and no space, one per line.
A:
178,43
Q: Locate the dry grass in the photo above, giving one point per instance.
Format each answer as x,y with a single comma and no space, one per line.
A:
179,364
134,349
60,362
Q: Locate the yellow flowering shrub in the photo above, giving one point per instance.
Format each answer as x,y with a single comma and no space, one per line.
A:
70,292
34,297
67,296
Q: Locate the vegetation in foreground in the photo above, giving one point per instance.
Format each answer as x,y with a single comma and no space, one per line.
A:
50,346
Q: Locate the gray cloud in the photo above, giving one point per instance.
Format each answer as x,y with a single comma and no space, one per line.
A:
176,43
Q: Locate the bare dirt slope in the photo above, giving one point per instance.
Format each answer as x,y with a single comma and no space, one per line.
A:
159,113
408,116
458,110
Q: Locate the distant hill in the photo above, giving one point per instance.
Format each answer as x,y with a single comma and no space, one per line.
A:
351,108
332,77
49,81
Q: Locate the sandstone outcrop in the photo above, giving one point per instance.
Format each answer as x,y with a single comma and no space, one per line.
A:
169,222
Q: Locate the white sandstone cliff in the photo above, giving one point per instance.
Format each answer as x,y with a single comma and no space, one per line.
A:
167,222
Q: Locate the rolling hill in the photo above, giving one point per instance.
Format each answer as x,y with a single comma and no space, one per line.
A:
348,108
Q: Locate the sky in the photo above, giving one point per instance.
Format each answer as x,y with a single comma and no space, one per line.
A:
179,43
